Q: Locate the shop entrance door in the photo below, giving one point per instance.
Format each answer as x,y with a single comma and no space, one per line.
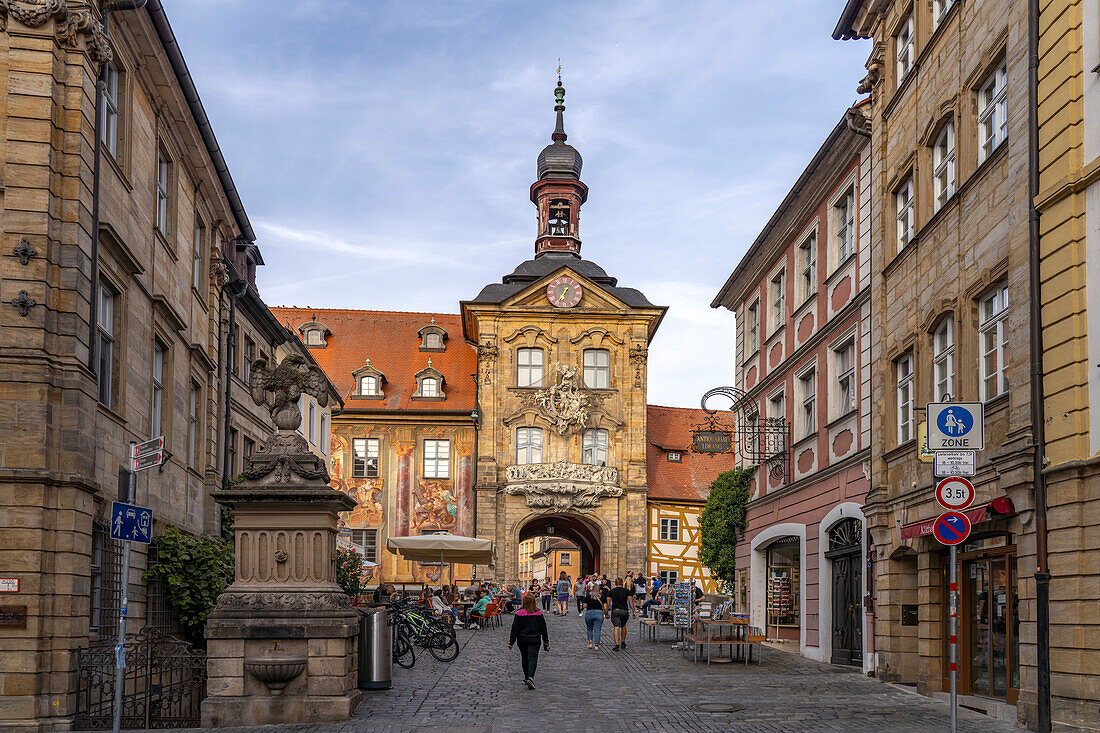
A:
991,616
845,541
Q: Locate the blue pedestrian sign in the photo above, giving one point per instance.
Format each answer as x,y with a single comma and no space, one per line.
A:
955,426
131,523
951,528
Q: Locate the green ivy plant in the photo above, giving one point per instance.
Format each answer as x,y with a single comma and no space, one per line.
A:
195,571
349,572
723,523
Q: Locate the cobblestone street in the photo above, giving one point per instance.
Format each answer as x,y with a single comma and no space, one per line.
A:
647,687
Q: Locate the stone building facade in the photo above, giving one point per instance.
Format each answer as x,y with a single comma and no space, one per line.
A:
1069,222
561,389
949,297
112,330
403,444
801,296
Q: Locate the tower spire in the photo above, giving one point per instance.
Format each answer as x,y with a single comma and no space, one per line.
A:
559,107
558,193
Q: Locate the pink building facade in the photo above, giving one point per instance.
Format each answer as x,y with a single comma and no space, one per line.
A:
801,303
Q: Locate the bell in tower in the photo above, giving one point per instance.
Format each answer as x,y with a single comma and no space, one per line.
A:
559,193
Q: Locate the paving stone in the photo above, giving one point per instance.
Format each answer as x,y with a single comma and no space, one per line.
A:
646,687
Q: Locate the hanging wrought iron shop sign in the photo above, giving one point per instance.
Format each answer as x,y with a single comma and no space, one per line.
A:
712,441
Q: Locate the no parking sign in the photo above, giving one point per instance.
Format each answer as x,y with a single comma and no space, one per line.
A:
951,528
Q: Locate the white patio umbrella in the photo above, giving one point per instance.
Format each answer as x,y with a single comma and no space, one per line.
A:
444,548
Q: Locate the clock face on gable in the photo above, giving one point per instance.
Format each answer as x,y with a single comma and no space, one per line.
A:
564,292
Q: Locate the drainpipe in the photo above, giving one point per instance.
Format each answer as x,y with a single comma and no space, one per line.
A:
241,287
1038,414
100,91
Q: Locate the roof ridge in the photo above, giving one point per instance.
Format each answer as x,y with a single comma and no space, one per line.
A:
365,311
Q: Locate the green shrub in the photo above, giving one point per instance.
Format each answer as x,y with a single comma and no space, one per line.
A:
349,572
722,524
195,571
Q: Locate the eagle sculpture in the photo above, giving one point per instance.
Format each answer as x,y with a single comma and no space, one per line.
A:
288,381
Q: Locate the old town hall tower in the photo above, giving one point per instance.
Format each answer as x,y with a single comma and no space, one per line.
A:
561,378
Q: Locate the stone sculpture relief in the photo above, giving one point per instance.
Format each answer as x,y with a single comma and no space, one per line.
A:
566,403
638,356
562,486
70,24
486,359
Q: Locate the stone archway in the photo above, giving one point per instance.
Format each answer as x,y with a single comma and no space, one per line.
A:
585,531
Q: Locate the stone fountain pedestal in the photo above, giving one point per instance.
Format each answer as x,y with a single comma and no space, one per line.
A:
282,640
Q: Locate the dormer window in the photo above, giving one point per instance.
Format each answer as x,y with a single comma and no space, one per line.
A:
314,333
559,217
432,337
368,382
674,456
429,384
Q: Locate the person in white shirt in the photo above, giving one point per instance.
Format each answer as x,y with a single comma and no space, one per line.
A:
440,607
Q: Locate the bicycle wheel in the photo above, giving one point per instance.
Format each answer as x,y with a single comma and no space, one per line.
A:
443,646
403,653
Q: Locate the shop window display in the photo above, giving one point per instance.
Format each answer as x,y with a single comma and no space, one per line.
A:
783,582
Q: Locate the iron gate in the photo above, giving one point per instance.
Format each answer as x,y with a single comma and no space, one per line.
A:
163,684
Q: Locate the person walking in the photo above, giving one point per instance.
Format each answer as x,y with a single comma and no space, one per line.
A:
595,611
638,598
546,592
528,629
563,594
619,609
578,592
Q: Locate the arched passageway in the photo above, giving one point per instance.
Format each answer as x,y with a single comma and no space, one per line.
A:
584,533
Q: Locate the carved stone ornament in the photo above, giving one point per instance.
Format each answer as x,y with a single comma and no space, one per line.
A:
70,24
487,354
285,456
562,486
638,358
24,251
566,403
288,381
283,601
23,302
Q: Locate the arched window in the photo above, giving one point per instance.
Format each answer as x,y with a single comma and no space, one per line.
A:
429,387
845,533
315,337
528,445
433,341
597,368
594,447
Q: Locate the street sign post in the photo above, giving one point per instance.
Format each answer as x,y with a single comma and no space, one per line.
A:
948,463
147,455
955,426
951,528
955,493
131,523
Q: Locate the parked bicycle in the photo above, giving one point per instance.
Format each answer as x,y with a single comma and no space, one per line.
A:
421,628
403,653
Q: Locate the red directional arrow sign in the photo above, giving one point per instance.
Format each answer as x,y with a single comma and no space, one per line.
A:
955,492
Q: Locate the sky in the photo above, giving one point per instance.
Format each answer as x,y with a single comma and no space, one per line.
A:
384,151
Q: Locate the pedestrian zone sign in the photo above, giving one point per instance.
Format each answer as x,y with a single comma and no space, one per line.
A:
955,426
131,523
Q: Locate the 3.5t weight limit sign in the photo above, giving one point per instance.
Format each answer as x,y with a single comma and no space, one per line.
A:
955,493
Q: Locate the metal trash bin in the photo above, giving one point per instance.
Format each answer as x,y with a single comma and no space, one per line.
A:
375,650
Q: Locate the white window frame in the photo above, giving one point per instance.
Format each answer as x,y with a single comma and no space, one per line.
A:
905,204
429,387
845,376
670,529
156,418
669,577
943,166
105,329
366,457
530,365
528,446
110,113
943,360
163,182
905,49
993,112
807,414
752,319
193,426
844,225
437,459
807,265
777,286
370,379
595,448
905,380
939,11
198,256
992,343
315,337
433,340
323,445
597,368
754,434
312,423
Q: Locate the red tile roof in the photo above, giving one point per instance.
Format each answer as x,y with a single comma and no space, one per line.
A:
391,342
669,428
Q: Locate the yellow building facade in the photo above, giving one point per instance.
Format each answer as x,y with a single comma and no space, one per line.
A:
1069,220
561,378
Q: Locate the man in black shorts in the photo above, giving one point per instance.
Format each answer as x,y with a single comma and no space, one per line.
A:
620,612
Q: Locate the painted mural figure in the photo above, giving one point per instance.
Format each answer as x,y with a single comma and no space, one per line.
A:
436,506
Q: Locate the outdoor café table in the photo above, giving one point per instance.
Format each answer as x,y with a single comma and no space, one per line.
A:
462,607
738,634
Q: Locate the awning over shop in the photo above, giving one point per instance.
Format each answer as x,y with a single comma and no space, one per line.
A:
976,515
